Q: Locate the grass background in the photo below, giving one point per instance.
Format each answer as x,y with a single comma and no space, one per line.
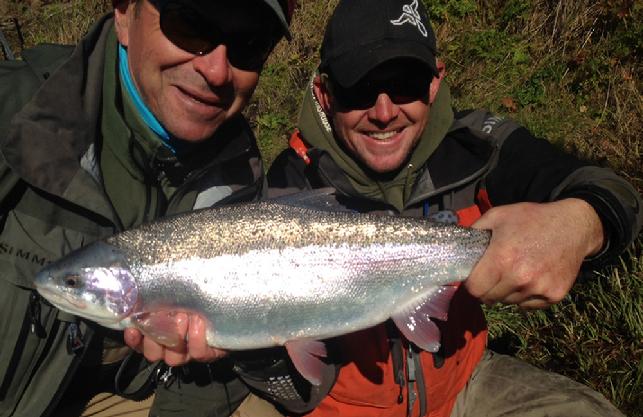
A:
569,70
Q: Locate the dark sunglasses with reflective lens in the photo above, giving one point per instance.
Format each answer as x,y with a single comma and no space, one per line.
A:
187,27
402,87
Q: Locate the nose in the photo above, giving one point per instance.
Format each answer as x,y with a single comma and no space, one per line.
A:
214,66
384,110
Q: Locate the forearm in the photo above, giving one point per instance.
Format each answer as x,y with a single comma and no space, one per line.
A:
614,200
531,169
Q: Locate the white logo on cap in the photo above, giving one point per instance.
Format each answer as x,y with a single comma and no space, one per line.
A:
410,15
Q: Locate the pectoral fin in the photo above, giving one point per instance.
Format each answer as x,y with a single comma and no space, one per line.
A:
415,322
164,327
305,355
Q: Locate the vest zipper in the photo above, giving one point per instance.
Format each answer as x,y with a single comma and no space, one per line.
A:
36,326
82,342
31,324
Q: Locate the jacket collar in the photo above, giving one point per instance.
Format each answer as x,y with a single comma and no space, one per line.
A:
50,135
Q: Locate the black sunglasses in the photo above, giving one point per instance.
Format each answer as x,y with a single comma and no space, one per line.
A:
402,88
188,28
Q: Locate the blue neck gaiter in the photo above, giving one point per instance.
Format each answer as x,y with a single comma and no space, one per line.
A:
150,120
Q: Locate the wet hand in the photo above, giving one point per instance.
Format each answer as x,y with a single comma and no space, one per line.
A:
190,331
535,253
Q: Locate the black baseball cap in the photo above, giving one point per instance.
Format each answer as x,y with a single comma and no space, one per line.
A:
362,34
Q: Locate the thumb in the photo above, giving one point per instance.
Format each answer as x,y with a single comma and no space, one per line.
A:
486,221
133,338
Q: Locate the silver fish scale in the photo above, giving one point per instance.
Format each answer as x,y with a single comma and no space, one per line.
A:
240,228
266,273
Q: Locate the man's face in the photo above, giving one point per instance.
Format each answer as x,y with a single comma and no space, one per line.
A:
381,119
192,94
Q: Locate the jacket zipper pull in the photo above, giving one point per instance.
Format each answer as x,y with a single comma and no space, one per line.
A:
74,339
34,316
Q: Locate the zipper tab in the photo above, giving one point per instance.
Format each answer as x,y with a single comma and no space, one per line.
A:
34,316
75,342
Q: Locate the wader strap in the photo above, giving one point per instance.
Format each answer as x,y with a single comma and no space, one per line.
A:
397,356
421,385
412,371
136,379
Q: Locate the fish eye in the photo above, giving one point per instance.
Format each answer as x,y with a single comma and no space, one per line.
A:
72,280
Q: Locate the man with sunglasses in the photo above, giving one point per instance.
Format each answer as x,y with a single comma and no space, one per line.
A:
141,120
377,125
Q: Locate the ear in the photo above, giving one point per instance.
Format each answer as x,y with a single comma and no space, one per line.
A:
121,20
435,83
322,94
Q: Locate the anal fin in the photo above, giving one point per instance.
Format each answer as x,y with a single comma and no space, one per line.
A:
415,322
305,355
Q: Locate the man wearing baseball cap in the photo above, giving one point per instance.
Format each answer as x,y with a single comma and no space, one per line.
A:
141,120
377,125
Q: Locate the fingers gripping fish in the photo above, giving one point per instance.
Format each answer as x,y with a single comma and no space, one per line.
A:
286,272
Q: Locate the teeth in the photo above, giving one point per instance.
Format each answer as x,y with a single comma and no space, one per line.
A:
198,100
382,135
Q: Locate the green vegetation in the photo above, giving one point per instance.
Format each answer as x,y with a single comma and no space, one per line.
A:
593,336
568,70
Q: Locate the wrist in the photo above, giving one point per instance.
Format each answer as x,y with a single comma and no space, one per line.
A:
590,223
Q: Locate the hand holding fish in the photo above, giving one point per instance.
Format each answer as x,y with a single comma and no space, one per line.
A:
535,253
189,328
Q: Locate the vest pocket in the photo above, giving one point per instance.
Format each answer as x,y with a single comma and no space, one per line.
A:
33,356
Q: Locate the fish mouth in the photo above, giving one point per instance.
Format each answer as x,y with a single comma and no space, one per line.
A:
59,299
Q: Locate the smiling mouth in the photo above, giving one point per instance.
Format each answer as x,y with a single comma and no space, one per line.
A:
200,99
383,136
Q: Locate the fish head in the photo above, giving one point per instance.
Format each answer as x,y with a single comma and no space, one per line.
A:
94,282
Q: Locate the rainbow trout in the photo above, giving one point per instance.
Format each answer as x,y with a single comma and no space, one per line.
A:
290,271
